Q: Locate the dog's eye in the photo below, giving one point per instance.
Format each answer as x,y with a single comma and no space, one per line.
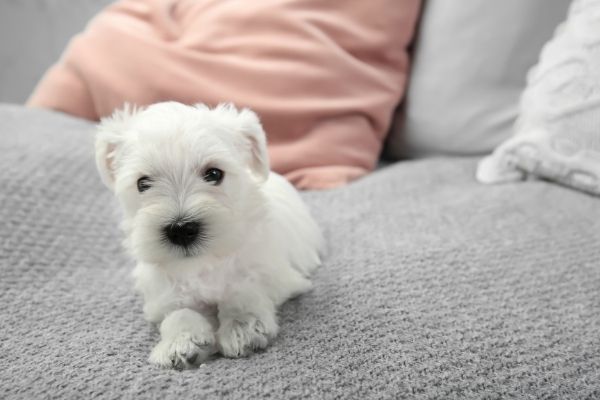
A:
214,176
143,184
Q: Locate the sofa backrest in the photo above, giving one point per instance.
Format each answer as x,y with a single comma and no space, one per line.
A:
33,33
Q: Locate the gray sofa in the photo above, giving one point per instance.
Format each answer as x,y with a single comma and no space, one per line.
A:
434,286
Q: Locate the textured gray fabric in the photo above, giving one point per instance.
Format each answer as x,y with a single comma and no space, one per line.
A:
434,287
33,34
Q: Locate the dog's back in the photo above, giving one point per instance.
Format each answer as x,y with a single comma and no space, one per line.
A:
294,224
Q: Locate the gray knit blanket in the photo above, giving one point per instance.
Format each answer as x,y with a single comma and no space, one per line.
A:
434,286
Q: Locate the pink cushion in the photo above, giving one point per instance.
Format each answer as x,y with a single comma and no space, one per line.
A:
325,76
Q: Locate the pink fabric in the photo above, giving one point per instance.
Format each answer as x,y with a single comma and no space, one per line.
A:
324,76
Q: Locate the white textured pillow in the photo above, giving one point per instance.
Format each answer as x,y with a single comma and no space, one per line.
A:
469,66
557,135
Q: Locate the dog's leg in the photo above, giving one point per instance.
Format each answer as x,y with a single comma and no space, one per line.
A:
187,340
247,321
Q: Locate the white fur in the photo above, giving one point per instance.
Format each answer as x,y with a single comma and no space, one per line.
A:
262,244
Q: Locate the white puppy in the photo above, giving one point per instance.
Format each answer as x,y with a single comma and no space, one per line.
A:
220,242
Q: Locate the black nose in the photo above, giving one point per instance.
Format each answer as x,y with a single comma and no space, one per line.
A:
182,233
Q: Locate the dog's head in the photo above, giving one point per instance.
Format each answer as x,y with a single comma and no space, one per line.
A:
188,177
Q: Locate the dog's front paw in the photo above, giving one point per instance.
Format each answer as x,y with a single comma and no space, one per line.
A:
182,351
238,337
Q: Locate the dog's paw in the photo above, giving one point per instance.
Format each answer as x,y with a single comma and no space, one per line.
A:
182,351
238,337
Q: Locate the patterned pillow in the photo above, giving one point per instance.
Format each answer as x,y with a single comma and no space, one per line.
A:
557,134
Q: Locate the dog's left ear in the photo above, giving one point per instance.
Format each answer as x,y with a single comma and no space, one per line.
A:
110,136
256,144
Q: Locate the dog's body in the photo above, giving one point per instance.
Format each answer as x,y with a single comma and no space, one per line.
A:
220,241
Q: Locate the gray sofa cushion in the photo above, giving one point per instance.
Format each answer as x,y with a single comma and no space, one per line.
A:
434,287
470,62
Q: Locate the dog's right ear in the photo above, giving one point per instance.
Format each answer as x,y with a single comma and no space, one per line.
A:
110,136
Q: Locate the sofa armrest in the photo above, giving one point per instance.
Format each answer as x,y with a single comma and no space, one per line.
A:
33,34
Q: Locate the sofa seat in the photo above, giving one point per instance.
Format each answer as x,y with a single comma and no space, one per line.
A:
433,286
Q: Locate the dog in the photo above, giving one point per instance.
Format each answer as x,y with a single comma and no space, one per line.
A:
220,241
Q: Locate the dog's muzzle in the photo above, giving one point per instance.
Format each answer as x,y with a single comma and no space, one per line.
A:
183,233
